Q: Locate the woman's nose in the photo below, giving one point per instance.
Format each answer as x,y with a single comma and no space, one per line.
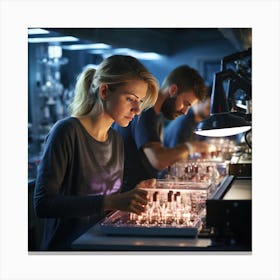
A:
136,109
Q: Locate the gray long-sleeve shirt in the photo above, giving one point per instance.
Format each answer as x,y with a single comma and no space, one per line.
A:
74,174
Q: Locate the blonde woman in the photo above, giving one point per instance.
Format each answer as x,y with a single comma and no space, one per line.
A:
81,170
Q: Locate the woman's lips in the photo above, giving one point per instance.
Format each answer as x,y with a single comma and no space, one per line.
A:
129,118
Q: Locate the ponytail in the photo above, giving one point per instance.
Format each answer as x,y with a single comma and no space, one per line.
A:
86,98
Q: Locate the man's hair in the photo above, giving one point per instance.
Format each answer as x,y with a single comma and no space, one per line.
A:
186,78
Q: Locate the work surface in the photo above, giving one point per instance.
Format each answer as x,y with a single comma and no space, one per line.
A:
95,240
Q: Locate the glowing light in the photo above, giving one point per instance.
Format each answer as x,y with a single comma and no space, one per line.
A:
86,46
53,39
36,31
223,131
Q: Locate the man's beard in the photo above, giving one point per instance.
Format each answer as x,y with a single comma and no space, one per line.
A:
168,108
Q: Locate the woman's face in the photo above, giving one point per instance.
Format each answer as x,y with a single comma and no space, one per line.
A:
124,102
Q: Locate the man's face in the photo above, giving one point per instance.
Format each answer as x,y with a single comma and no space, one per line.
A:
178,105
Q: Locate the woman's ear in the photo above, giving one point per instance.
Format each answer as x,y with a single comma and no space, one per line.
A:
173,90
103,91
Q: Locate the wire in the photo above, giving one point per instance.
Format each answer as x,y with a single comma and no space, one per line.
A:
246,138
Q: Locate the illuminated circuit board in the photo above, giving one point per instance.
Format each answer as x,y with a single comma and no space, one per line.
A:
176,206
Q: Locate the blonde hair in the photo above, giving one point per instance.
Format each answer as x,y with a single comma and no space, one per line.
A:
115,70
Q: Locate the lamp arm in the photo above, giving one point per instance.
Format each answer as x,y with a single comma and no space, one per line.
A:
246,139
218,90
240,82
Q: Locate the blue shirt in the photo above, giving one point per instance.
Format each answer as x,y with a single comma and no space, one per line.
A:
143,129
181,130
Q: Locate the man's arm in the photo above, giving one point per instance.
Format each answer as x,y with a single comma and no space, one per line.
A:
161,157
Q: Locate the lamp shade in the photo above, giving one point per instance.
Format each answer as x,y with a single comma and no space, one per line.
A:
221,122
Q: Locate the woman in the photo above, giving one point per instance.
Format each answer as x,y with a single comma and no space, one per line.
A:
80,173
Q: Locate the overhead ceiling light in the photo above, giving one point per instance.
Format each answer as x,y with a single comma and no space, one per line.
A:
148,56
53,39
37,31
137,54
86,47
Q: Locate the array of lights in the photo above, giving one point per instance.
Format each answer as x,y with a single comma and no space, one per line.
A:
94,48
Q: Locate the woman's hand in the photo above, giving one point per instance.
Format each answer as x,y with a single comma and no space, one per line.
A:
134,200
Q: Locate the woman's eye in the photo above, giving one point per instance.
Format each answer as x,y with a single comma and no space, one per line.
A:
129,99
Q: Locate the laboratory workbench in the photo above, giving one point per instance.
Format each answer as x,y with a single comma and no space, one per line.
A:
239,192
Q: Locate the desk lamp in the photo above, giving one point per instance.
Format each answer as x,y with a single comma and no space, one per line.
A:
222,122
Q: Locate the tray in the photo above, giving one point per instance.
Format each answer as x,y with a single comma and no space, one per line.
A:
118,223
